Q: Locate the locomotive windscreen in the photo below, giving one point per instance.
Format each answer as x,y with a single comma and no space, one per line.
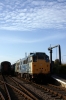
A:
41,56
38,56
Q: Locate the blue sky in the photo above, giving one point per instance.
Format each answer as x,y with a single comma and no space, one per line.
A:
31,26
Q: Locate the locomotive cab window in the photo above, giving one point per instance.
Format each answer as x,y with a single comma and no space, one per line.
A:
40,56
34,58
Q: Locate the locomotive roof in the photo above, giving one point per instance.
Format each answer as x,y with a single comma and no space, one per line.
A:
30,55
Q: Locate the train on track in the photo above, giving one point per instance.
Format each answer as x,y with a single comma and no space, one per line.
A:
5,68
36,66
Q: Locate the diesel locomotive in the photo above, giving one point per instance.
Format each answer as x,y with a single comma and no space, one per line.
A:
35,66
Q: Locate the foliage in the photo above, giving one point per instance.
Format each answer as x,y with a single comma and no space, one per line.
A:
56,61
59,69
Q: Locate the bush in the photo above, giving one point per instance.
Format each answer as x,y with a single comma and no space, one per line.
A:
59,69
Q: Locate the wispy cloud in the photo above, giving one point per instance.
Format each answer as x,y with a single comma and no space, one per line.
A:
18,40
31,14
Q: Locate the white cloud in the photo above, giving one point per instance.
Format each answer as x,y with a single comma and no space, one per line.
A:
31,14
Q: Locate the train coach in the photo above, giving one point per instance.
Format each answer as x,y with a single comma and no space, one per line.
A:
6,68
36,67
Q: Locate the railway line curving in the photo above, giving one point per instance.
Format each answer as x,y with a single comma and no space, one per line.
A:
16,91
20,89
55,91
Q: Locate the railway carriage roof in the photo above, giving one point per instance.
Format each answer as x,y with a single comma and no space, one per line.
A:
5,62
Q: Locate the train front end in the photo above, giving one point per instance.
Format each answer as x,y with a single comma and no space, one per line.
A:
40,67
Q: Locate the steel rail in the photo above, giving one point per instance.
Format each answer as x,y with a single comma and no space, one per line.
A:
2,97
7,92
49,90
52,91
19,91
23,88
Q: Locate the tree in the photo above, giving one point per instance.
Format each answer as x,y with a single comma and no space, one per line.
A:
56,61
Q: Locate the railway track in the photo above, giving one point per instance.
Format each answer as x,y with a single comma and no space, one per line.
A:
54,91
16,84
32,90
20,89
15,92
57,92
3,89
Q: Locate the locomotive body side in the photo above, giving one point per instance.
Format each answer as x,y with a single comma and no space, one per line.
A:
34,67
20,67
